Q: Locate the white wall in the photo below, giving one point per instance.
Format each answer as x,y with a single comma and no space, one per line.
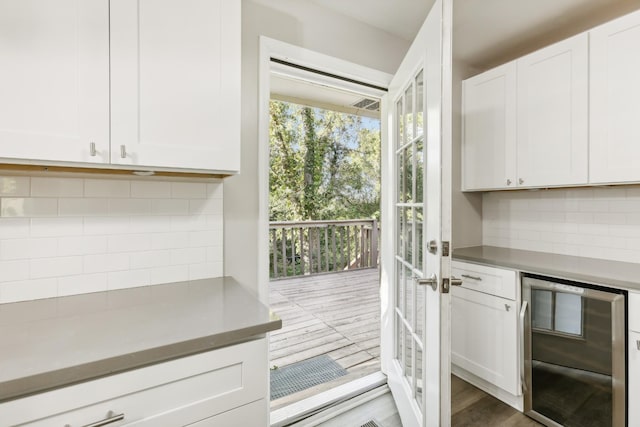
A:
310,27
590,222
71,235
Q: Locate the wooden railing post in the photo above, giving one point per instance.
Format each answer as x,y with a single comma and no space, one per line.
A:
374,243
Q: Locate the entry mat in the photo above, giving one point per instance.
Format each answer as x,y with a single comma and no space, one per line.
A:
304,374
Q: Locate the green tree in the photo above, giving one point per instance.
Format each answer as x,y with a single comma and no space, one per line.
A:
324,164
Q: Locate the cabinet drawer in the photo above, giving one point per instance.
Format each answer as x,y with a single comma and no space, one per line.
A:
634,312
178,392
490,280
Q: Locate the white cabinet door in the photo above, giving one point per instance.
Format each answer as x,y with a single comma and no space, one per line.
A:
615,101
634,379
54,80
552,114
252,414
489,129
484,337
175,84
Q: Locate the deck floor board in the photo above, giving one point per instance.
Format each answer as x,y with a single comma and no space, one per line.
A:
336,314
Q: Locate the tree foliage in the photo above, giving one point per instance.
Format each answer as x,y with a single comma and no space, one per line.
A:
324,164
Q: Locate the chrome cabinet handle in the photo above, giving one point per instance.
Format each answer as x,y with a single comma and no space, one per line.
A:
520,181
123,151
92,149
467,276
638,344
111,418
508,182
431,281
507,307
523,312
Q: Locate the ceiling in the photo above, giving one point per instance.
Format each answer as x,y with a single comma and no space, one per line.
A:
487,32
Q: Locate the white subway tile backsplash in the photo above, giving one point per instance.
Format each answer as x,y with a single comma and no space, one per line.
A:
129,242
15,186
128,279
107,188
121,207
101,263
65,236
11,271
588,222
188,190
188,256
55,267
28,290
28,207
83,283
150,259
57,187
51,227
107,225
169,240
14,228
82,207
204,270
174,273
82,245
170,207
205,207
12,249
150,189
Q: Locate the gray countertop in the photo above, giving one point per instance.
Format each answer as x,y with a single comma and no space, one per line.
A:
55,342
623,275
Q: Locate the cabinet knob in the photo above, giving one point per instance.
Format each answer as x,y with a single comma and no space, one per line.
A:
508,182
507,307
92,149
520,181
638,344
123,151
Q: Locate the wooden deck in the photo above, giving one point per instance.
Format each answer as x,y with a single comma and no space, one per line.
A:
337,314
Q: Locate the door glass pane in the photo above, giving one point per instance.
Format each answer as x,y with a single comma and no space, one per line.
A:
408,355
400,288
418,364
399,339
419,233
400,121
400,227
408,254
420,313
409,285
401,180
408,103
419,169
419,104
408,175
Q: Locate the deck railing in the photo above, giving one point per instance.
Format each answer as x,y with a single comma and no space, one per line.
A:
299,248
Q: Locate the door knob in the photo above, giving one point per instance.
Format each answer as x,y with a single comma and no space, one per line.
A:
431,281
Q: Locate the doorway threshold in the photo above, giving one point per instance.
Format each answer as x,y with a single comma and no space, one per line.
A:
327,400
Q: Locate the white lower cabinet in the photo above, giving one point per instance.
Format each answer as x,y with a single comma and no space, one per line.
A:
204,388
485,339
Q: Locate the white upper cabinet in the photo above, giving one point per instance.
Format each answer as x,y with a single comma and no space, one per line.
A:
553,85
149,84
489,128
175,83
54,80
615,101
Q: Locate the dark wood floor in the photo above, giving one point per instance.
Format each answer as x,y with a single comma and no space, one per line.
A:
472,407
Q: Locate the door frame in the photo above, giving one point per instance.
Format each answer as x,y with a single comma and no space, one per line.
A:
271,48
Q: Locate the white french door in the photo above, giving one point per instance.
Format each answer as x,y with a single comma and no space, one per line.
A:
416,305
